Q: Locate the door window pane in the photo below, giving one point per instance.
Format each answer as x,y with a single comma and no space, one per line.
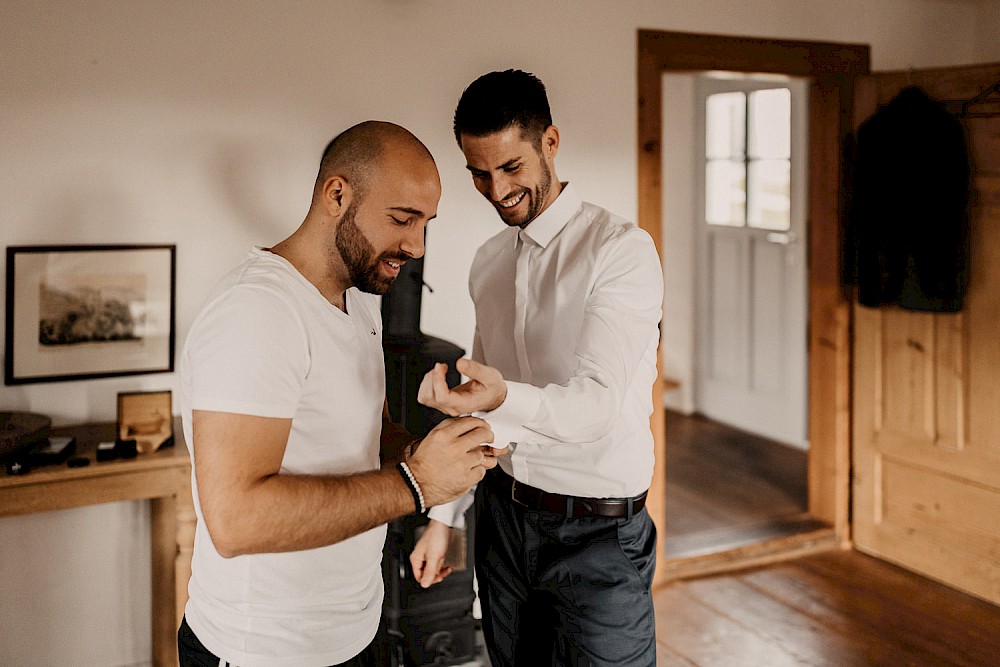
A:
770,129
725,126
725,192
725,152
768,152
769,195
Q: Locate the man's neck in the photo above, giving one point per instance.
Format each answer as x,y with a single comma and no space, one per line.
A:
312,267
553,196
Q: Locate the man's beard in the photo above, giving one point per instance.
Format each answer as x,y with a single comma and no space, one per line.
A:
363,268
536,198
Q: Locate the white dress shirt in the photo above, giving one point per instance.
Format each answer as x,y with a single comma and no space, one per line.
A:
567,309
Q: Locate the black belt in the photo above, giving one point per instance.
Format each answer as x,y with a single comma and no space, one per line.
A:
573,507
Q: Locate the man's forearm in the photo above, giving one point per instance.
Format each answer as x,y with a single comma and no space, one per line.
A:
249,506
295,512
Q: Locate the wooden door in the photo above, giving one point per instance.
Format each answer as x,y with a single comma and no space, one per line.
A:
926,393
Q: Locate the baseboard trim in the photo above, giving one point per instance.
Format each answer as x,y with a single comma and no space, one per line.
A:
738,556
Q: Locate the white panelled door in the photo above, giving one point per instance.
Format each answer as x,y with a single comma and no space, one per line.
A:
751,309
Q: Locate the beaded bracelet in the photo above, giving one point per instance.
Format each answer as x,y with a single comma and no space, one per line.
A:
411,482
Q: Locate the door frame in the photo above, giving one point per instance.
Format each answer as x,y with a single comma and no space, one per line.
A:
832,69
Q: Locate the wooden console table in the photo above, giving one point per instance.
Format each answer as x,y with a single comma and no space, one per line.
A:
163,477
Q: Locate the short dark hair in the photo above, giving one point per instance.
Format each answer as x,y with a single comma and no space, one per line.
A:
499,100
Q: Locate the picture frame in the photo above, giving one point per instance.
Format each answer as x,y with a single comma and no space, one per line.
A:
147,418
79,312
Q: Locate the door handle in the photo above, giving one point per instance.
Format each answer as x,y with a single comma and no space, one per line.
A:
783,238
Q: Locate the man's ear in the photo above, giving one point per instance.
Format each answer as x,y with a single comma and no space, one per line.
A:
550,142
336,195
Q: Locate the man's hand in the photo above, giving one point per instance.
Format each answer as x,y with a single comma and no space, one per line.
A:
427,557
452,458
485,390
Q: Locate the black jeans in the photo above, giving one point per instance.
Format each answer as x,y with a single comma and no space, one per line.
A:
192,653
558,591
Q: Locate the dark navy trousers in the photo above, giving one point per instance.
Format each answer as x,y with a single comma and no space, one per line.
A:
559,591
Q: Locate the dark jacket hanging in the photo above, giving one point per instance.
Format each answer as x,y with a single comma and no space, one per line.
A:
908,223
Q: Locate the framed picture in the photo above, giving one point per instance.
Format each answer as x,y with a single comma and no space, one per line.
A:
147,418
77,312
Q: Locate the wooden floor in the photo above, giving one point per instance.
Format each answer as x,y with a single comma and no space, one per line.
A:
837,609
726,487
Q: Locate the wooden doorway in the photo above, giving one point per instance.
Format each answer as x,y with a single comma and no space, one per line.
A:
831,69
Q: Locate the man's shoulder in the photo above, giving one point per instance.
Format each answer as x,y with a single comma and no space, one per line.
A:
497,244
602,218
257,277
603,227
252,291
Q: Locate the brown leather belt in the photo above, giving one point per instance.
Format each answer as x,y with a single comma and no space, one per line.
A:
573,507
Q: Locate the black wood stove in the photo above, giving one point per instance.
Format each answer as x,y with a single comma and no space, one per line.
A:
433,626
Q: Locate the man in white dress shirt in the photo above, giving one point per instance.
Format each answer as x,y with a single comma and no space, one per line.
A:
568,301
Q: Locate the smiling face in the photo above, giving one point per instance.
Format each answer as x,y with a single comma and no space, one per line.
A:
368,272
513,173
377,235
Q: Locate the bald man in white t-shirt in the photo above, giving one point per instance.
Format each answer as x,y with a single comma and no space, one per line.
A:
283,402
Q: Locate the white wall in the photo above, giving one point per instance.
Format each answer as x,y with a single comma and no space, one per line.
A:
200,124
679,242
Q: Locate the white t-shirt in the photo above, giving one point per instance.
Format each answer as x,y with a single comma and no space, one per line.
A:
267,343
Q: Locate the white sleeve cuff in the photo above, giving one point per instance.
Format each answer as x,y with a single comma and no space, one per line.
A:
518,409
453,513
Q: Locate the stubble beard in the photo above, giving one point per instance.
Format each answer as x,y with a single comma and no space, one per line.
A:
358,255
536,198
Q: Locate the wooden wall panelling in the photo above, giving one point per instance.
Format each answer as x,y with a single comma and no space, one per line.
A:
926,397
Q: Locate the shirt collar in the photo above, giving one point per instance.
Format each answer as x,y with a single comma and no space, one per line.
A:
550,222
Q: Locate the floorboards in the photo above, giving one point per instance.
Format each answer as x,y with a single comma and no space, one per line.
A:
837,609
726,487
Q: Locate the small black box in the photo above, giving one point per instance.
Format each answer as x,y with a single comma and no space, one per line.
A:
126,449
54,450
106,451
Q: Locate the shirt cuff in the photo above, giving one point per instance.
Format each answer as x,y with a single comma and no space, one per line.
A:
518,409
453,513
